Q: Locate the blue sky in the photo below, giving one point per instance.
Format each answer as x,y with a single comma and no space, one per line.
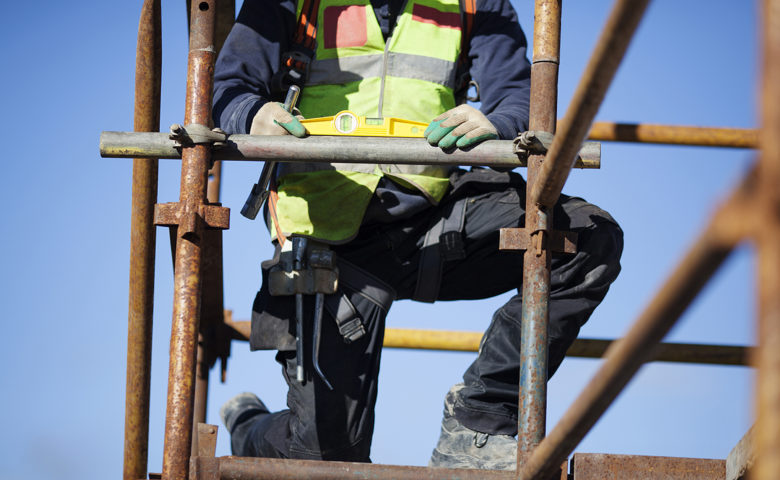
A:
65,238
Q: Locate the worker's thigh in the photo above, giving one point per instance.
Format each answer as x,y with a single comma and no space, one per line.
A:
486,271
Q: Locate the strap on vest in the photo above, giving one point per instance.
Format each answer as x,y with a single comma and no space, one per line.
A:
443,243
295,63
273,200
463,81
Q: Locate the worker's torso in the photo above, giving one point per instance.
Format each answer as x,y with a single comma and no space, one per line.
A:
409,75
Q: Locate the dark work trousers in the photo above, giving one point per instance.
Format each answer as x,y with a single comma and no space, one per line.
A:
338,424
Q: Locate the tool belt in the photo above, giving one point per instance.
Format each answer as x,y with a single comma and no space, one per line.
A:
273,316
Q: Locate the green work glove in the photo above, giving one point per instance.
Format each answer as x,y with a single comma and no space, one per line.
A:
462,126
273,119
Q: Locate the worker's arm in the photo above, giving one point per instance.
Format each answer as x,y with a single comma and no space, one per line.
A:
248,60
500,67
502,71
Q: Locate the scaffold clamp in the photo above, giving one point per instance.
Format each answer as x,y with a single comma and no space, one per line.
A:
197,134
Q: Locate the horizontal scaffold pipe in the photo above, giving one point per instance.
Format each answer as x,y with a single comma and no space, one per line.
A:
443,340
330,149
244,468
674,135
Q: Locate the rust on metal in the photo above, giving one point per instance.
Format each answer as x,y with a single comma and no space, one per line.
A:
170,214
243,468
590,92
624,357
521,239
670,352
142,246
206,440
595,466
187,272
674,135
532,404
767,428
204,468
214,337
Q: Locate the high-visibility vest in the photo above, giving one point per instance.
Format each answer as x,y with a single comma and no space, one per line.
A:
412,75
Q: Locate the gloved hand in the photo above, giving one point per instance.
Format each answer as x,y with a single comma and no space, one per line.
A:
273,119
463,126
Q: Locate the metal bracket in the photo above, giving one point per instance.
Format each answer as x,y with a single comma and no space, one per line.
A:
197,134
207,440
523,239
172,214
533,142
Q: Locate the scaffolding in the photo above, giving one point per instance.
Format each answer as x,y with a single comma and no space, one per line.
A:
201,333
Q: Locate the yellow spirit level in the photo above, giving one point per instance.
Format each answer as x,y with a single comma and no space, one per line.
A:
347,123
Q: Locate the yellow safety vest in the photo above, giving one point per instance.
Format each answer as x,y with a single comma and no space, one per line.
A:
410,76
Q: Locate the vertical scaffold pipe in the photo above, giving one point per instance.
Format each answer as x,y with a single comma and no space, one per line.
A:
148,62
225,15
211,307
767,433
532,408
187,271
612,45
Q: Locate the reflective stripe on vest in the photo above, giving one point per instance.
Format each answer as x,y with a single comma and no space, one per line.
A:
402,65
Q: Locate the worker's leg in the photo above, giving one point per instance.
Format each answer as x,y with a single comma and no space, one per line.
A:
488,401
320,423
578,283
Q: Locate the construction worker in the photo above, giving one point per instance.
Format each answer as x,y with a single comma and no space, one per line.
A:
422,232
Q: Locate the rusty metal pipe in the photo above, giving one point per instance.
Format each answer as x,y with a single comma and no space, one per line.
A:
532,400
624,357
574,126
582,347
212,304
187,273
674,135
597,466
418,339
498,153
201,392
235,468
670,352
767,428
148,63
212,308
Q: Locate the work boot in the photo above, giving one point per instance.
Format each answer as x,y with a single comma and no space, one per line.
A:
241,408
461,447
